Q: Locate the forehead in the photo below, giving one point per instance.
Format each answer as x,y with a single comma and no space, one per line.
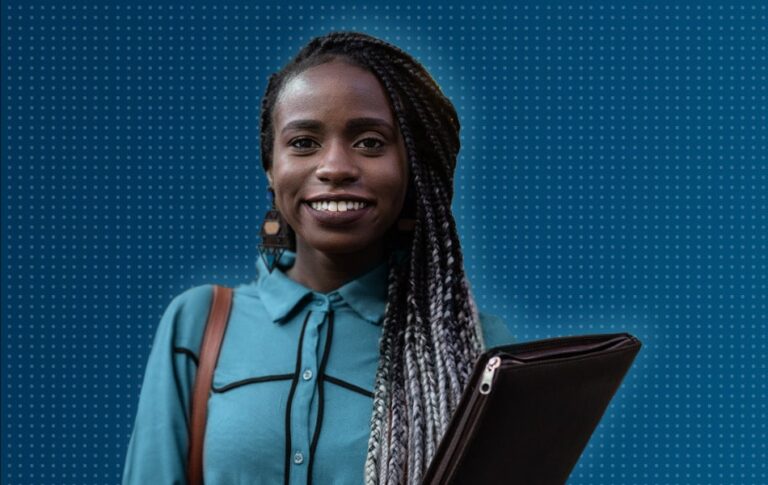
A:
332,89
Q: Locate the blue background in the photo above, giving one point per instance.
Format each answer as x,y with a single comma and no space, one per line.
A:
612,178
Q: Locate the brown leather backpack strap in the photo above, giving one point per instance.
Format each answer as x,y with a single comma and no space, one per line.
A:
216,325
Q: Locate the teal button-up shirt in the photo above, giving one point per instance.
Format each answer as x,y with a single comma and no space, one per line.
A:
292,392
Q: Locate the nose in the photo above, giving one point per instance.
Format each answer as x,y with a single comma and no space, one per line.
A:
337,165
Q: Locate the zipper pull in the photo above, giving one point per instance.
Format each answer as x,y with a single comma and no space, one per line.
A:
490,370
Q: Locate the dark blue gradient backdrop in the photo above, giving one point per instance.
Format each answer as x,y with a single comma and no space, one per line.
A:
612,178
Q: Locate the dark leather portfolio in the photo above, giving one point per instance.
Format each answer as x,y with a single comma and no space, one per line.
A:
529,410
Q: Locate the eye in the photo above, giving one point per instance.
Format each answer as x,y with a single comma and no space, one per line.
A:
371,143
302,144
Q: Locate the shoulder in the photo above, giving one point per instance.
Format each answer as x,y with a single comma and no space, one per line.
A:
185,316
193,300
495,331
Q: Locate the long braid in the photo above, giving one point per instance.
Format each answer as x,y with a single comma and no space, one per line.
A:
430,336
443,207
435,281
417,345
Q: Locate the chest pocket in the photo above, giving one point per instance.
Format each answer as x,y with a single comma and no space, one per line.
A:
245,432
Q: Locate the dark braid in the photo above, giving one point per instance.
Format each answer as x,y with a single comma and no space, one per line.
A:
431,334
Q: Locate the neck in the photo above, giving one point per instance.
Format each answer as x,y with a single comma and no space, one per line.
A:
324,272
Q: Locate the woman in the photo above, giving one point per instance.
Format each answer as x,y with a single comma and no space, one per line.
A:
343,361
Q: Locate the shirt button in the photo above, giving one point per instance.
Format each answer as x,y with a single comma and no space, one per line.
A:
318,303
298,458
307,374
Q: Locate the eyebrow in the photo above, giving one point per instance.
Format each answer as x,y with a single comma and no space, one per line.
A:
352,125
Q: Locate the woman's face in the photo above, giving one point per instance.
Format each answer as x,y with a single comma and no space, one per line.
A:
336,144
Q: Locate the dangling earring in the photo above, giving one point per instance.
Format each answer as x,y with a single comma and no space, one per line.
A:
275,236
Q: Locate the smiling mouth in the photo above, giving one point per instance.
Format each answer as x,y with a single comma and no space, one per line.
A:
340,206
341,217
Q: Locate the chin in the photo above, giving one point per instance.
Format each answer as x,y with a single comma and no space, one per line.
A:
330,248
343,244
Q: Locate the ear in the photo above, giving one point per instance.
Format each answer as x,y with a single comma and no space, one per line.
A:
269,176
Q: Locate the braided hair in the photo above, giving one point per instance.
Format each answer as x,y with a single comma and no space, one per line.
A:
431,334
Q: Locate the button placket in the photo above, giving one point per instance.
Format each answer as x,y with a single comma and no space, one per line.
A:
301,412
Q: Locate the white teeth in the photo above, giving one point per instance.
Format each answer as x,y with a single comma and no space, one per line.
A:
337,206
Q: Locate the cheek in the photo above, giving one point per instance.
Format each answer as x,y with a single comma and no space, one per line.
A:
285,187
393,189
286,176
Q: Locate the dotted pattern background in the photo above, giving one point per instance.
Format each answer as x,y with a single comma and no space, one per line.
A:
612,178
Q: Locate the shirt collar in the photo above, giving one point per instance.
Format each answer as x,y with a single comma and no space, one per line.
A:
366,294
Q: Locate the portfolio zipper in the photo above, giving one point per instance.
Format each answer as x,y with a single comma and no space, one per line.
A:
488,373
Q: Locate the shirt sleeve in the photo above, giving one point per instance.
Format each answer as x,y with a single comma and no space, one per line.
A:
157,451
495,331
